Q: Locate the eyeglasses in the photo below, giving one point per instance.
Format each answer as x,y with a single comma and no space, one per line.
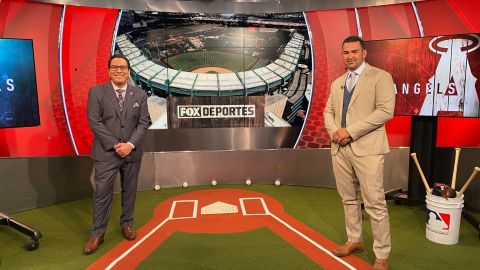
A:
122,68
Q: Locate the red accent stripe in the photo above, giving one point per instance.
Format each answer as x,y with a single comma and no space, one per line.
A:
20,19
87,38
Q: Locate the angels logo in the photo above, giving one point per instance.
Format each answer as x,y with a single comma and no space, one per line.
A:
452,86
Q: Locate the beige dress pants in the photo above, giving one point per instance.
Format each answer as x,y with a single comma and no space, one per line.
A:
365,174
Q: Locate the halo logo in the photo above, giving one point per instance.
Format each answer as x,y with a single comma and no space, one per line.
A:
453,79
7,83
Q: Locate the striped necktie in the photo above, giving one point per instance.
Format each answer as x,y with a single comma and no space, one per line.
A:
120,98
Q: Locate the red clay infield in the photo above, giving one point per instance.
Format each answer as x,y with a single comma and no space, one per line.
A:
254,210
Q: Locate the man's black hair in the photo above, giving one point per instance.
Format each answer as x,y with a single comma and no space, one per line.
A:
118,56
351,39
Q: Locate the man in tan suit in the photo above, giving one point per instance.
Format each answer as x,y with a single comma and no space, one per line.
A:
359,104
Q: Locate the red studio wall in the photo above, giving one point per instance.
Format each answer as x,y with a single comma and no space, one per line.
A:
86,46
438,17
382,22
20,19
86,42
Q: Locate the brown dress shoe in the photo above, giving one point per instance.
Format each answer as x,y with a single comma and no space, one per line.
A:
349,247
380,264
92,245
129,233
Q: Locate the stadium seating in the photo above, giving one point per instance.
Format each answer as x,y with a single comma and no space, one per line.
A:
179,78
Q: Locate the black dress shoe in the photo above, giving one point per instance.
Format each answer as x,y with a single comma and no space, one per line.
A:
92,245
129,233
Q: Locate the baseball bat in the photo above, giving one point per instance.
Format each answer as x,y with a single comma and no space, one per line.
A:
425,183
474,173
454,176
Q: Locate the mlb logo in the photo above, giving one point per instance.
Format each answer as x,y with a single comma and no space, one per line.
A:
437,220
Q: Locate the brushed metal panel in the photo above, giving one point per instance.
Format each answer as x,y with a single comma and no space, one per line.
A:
304,167
396,169
146,177
227,6
28,183
159,140
227,167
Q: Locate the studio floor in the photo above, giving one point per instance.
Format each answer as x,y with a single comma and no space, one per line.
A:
315,213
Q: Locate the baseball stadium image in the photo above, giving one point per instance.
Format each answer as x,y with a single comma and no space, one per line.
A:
199,55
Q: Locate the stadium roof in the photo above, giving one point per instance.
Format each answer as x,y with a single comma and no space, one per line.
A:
255,80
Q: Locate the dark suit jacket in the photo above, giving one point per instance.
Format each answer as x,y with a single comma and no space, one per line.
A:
110,126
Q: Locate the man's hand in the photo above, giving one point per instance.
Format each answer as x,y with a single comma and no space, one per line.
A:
341,137
123,149
345,141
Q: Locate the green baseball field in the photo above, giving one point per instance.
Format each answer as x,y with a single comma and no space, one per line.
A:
193,60
229,227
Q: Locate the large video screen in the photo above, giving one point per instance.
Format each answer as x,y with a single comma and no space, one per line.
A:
434,76
219,70
18,86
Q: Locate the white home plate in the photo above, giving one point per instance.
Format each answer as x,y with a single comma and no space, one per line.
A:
219,208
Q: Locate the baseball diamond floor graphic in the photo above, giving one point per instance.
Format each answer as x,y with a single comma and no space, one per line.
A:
224,211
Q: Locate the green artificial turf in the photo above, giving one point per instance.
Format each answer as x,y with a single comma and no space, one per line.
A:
259,249
66,228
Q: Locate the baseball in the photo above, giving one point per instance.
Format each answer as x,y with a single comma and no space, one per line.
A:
248,182
214,182
185,184
157,187
277,182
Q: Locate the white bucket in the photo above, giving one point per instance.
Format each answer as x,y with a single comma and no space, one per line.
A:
443,219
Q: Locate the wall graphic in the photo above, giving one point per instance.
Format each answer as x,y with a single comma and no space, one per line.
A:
434,76
65,73
220,55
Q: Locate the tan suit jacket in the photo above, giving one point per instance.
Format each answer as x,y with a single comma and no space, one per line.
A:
372,104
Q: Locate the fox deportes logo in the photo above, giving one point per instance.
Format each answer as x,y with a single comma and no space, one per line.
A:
215,111
7,83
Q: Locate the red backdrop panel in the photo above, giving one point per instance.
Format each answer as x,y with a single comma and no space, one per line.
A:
327,36
458,132
39,22
443,17
387,22
399,131
87,40
383,22
391,22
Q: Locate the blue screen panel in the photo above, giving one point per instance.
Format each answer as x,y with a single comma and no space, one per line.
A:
18,85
